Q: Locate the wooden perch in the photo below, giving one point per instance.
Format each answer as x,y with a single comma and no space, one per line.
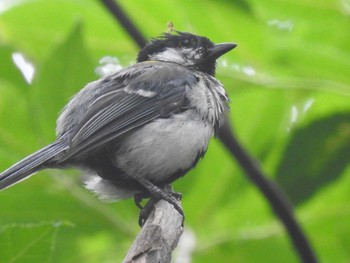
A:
158,237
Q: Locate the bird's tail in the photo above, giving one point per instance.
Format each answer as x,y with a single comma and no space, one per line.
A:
31,164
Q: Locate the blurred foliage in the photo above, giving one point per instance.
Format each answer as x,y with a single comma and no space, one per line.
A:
289,83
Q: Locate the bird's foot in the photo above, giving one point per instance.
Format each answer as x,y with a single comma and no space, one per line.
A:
155,195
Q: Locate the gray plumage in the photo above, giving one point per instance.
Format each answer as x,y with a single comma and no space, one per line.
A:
146,124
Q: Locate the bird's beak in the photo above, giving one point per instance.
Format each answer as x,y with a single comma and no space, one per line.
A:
220,49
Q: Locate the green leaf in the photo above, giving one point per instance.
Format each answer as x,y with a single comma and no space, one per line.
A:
63,74
28,242
315,156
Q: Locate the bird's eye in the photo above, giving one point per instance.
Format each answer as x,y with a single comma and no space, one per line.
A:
186,42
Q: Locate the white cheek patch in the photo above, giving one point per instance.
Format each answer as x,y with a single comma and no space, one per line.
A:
180,56
169,54
191,54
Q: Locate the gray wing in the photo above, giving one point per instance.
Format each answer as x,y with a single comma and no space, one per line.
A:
156,93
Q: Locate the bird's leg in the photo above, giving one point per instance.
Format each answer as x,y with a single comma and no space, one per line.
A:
156,194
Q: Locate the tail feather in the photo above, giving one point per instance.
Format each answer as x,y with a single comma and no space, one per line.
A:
31,164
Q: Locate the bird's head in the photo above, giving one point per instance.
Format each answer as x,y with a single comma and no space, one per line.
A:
186,49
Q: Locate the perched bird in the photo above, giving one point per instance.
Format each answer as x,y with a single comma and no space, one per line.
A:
139,129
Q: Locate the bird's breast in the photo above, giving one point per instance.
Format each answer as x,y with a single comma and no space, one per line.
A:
164,147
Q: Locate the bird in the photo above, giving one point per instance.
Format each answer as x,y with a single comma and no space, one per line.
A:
135,131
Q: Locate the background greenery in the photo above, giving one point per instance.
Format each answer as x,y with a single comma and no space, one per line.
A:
289,85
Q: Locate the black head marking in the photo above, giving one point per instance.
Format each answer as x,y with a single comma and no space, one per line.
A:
182,41
178,40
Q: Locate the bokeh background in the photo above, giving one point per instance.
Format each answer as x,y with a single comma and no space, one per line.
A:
289,84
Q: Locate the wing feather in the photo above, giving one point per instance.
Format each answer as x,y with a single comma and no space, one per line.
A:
118,111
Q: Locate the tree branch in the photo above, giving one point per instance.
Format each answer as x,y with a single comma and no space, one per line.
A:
276,197
158,237
115,9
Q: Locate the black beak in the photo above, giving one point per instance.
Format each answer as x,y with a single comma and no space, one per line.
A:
219,49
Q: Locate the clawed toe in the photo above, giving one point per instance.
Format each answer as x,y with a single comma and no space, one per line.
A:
157,194
147,210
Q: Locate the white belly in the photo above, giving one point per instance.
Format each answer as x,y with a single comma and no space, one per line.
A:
165,146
